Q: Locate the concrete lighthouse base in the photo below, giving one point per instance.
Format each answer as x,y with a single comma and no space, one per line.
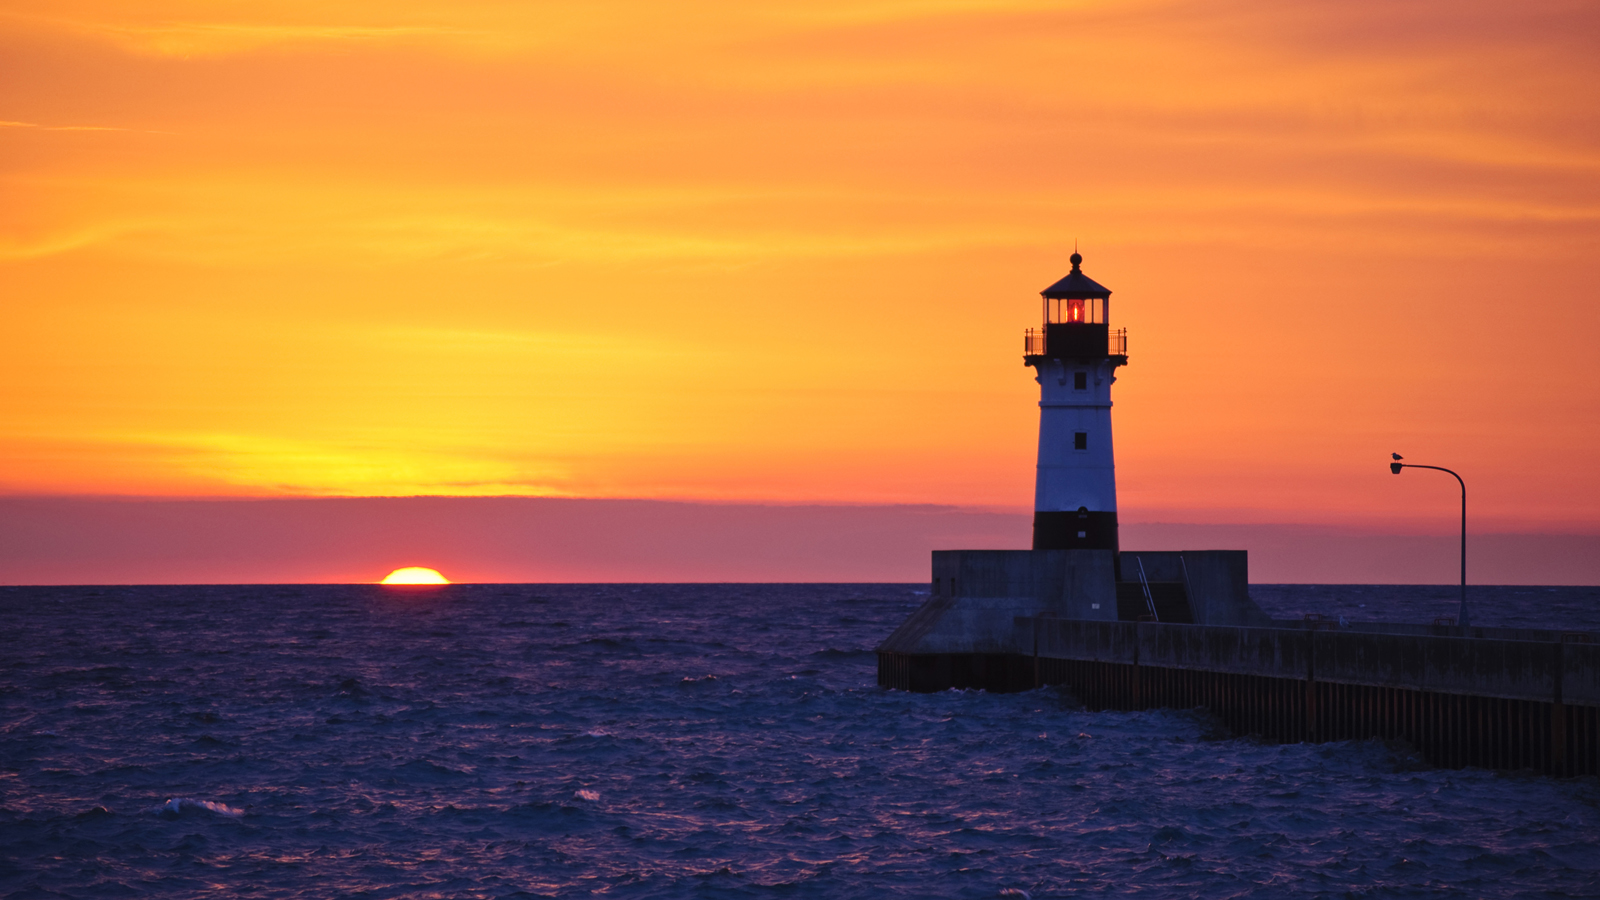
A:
972,619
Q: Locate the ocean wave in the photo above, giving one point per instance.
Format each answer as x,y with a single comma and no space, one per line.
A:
177,806
427,771
835,653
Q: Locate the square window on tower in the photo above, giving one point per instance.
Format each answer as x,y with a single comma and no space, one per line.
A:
1080,381
1080,440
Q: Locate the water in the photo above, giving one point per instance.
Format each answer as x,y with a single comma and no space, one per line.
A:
690,741
1513,606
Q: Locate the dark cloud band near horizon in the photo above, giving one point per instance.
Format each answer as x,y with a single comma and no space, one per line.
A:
60,540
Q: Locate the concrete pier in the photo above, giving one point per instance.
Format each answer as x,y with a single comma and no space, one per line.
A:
1017,620
1527,701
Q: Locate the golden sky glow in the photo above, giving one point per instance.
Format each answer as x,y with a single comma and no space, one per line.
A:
785,252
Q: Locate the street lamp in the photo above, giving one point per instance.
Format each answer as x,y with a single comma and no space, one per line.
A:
1395,467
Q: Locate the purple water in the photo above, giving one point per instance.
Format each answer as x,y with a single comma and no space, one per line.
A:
691,741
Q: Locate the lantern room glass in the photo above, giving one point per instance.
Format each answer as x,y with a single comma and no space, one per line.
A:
1075,311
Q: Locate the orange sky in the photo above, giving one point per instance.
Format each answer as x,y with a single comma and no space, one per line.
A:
785,252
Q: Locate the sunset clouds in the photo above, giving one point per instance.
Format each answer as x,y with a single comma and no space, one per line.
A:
718,251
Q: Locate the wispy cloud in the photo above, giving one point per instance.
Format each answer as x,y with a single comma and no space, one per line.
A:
38,127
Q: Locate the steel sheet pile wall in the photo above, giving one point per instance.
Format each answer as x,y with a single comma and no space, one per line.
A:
1502,704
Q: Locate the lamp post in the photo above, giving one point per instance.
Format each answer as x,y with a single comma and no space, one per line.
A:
1395,467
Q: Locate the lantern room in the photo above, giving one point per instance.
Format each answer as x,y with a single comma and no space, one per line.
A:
1077,314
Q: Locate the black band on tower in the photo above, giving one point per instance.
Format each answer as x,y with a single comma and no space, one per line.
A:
1074,530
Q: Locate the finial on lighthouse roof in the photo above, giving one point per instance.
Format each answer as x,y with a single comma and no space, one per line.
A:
1076,285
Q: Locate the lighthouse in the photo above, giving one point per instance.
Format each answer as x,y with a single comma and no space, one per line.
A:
1075,356
993,616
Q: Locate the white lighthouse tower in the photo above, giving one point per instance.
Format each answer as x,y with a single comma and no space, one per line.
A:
1075,357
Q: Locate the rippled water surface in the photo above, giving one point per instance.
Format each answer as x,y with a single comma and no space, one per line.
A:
690,741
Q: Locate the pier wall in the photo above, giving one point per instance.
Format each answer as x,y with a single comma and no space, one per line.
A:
1480,701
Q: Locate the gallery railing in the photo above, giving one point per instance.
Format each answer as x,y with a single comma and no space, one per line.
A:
1034,342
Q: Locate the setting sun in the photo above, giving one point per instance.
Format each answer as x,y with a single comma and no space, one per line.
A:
415,575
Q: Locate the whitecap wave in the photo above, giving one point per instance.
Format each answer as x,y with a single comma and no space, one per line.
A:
180,805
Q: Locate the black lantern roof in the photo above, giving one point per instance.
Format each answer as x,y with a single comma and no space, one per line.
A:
1077,286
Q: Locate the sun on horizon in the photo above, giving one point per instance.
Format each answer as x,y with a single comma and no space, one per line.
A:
415,575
